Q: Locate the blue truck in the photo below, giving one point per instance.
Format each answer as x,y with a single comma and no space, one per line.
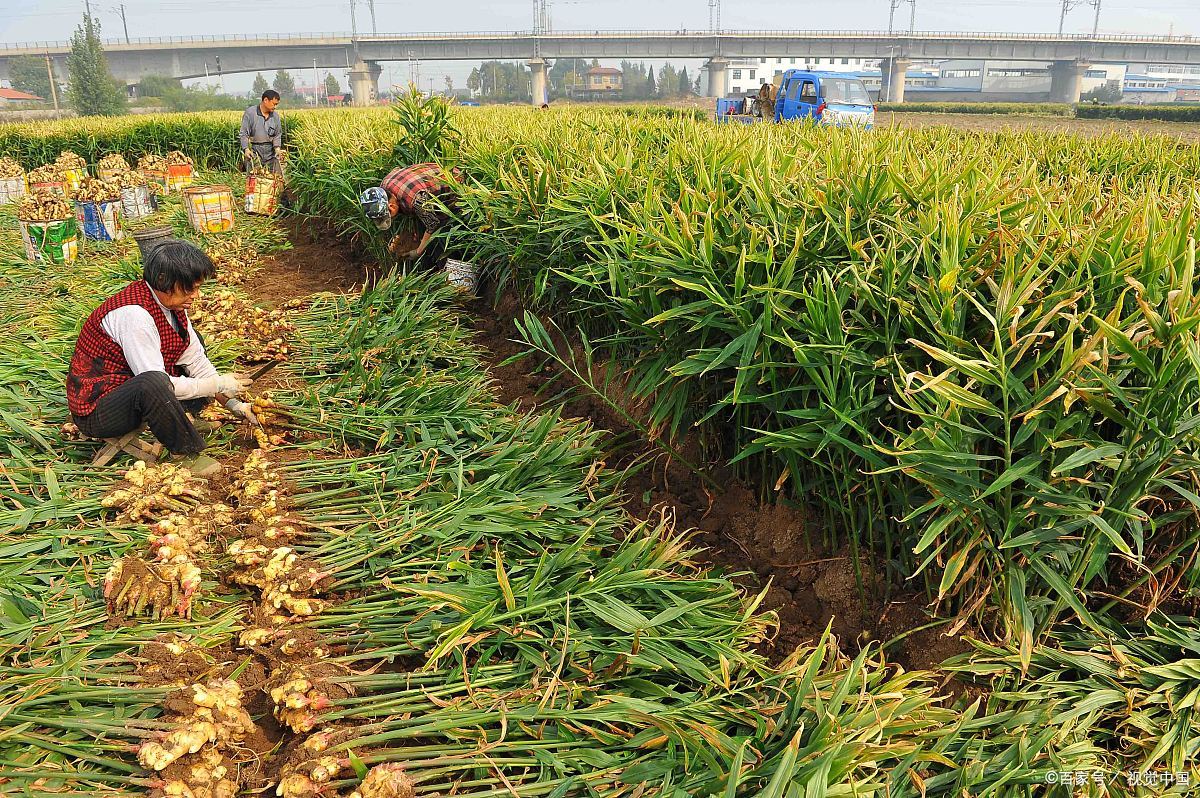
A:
824,98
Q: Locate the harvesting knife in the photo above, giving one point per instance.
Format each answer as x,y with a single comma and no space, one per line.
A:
262,371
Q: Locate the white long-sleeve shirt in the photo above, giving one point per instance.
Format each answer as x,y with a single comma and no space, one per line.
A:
133,328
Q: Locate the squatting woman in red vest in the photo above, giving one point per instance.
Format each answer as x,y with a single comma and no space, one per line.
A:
138,360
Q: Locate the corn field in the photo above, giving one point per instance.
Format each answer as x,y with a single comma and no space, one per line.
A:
973,355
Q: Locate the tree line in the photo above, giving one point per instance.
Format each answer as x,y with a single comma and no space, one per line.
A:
507,81
91,88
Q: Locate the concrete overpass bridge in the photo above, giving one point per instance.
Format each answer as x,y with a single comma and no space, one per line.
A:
196,56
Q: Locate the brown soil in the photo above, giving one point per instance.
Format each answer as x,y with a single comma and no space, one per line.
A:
309,267
160,666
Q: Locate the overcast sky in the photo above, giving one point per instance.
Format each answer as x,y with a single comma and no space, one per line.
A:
32,20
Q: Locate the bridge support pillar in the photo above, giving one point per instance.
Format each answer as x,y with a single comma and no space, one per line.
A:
1066,81
718,83
537,81
364,82
894,72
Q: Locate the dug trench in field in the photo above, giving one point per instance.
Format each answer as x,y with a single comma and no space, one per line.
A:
765,545
418,708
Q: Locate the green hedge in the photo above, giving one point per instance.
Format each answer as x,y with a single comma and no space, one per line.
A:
1024,109
210,138
1164,113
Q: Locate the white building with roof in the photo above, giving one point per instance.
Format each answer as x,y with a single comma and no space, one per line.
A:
1174,74
746,75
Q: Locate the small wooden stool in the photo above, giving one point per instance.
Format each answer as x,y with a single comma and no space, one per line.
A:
132,444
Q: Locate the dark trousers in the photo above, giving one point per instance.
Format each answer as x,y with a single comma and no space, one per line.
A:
434,256
148,398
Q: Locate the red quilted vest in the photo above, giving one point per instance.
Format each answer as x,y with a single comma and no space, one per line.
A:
98,365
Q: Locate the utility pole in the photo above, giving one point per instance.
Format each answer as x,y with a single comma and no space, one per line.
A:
541,17
414,71
371,5
1067,5
50,74
125,25
353,22
1096,23
316,85
714,16
541,25
912,17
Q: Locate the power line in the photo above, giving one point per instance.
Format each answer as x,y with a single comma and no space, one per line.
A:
1067,5
912,17
125,25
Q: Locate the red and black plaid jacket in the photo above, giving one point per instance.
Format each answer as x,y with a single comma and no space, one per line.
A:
99,366
408,183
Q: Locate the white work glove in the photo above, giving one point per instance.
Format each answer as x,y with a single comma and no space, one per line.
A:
242,410
228,384
247,153
232,384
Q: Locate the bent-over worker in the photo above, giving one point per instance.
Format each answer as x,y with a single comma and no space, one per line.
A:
139,361
417,191
261,134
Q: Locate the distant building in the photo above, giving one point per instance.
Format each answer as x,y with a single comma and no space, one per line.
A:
746,75
1162,83
1144,89
10,96
308,93
1173,74
599,83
